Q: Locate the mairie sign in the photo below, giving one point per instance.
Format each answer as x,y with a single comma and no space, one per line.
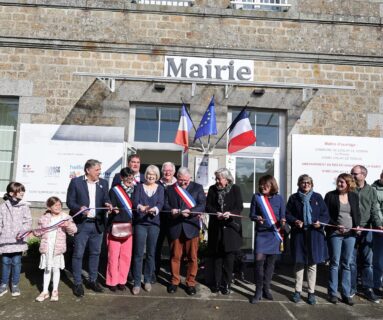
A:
208,68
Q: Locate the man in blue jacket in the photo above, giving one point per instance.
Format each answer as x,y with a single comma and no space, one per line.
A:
183,200
88,192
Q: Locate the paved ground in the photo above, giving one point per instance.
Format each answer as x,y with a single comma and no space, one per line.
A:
158,304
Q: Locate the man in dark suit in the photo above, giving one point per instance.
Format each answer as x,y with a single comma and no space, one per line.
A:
184,227
134,163
88,191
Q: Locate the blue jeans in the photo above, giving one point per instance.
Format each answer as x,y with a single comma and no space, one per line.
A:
144,234
87,234
377,261
11,263
340,249
362,256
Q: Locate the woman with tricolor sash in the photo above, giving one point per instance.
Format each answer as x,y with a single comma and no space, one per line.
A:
120,249
225,229
305,211
267,210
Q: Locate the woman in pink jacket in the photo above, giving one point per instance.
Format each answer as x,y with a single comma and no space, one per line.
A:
53,245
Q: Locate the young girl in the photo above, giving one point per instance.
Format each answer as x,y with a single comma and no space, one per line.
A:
53,245
15,218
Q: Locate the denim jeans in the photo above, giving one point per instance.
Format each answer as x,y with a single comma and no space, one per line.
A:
11,264
340,248
87,234
362,258
144,235
377,261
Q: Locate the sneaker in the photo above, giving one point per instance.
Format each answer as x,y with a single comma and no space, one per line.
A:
42,296
3,289
348,300
296,297
55,296
15,290
371,296
311,299
136,290
147,287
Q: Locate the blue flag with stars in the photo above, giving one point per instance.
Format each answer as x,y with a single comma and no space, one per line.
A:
208,125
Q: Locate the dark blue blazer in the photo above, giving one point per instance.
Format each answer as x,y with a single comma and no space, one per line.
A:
141,198
307,246
190,225
117,179
78,196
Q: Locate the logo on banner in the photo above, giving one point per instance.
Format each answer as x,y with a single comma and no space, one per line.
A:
52,171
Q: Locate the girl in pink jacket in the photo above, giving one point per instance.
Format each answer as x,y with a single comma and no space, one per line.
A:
53,245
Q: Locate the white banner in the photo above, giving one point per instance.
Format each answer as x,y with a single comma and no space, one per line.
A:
50,155
325,157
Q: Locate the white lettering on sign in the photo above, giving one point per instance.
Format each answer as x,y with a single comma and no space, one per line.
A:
208,68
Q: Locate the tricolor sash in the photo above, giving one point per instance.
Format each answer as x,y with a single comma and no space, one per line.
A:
124,198
185,196
269,215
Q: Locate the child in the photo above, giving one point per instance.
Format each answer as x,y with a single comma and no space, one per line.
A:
15,218
53,245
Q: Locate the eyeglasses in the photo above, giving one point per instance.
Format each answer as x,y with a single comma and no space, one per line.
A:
355,173
306,182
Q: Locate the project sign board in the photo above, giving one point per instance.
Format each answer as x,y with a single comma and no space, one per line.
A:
325,157
50,155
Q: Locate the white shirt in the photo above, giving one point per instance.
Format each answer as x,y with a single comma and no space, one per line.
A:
92,197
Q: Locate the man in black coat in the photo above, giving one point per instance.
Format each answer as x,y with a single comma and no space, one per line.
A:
183,200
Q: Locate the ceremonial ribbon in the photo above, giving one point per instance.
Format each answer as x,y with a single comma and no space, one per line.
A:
55,225
124,198
354,229
270,215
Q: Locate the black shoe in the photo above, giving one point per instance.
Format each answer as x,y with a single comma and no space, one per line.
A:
78,290
371,296
172,288
113,288
256,298
333,299
191,291
378,292
348,300
95,286
121,287
267,295
214,289
225,290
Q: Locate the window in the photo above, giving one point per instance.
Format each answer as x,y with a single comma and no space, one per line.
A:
156,124
8,127
265,125
271,5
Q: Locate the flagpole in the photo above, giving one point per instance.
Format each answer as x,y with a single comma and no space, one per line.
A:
223,134
195,130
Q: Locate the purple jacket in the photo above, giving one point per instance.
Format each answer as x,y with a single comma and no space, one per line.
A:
14,220
60,244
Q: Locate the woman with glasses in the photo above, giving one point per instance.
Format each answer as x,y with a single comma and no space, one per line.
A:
343,206
267,210
305,211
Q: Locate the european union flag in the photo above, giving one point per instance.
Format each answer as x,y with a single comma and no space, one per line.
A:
208,125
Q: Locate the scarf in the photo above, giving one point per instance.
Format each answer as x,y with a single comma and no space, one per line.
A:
128,190
307,210
221,195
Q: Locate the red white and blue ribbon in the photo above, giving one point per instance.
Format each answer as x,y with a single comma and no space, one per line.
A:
269,215
185,196
354,229
124,199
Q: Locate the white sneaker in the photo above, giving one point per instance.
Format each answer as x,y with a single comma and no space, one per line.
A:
3,289
148,287
15,290
136,290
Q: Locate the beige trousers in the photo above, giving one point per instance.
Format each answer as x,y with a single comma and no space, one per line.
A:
311,277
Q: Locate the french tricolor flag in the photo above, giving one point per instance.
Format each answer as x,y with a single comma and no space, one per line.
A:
182,136
241,134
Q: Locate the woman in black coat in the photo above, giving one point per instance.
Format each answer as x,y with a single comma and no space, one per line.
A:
305,211
224,231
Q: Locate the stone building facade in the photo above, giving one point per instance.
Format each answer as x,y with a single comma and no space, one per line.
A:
319,62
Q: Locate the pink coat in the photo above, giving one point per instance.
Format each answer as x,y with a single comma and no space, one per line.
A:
60,244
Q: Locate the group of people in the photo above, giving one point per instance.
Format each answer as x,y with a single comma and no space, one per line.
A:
140,211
